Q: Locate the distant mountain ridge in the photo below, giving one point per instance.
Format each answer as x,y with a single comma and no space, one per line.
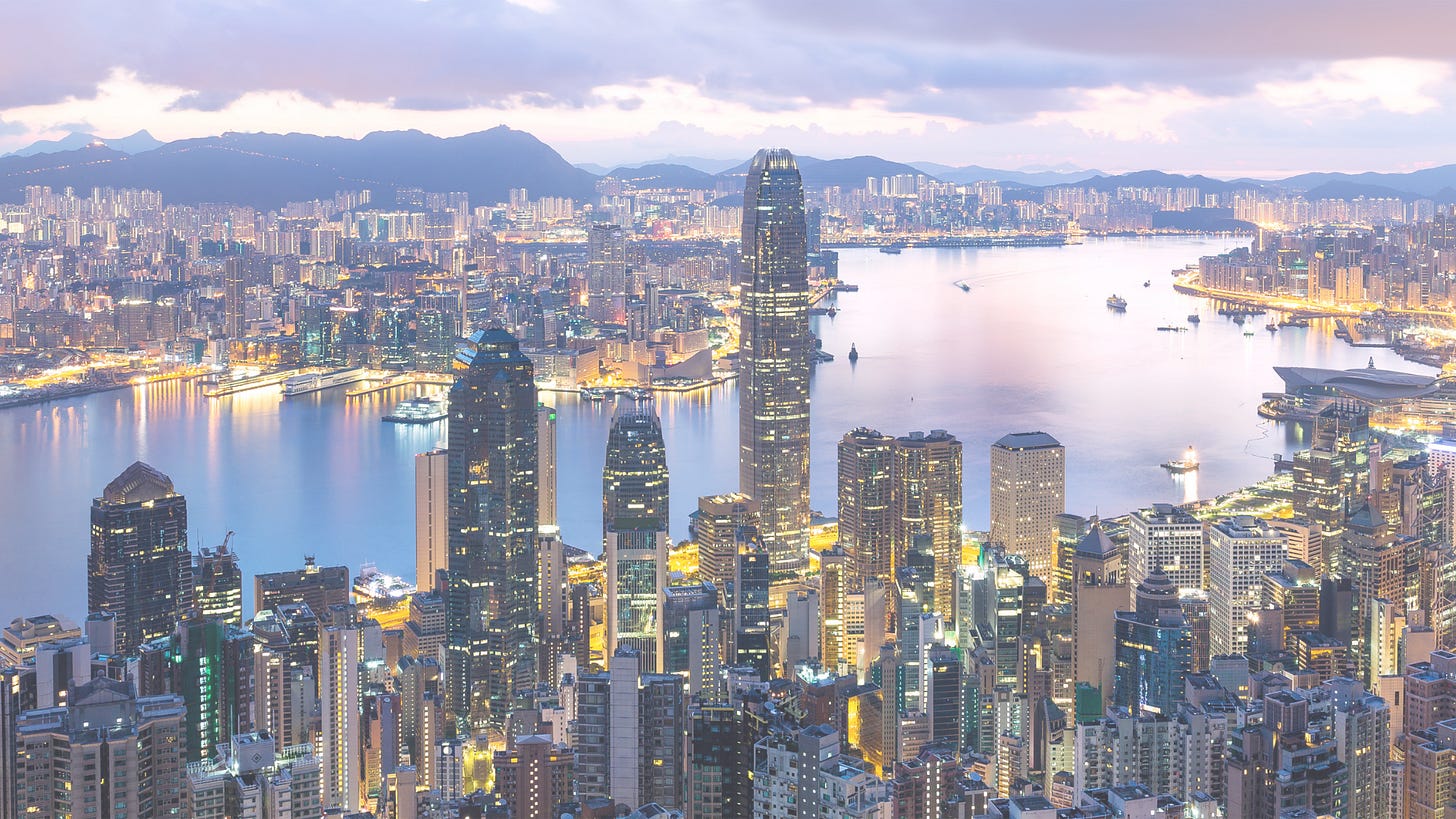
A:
268,170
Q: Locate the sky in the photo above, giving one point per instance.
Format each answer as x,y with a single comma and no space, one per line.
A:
1235,88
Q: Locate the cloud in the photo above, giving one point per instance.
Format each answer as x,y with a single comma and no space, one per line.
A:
1401,86
1127,115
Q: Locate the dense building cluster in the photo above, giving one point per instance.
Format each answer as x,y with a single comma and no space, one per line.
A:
1175,663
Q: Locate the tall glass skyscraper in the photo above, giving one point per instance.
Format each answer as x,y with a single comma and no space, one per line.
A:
492,606
775,350
140,569
634,532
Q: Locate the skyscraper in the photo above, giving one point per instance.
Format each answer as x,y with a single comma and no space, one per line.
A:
1028,491
634,531
546,464
432,512
926,500
719,524
491,604
1166,537
866,531
773,415
1240,551
235,316
140,568
1154,648
218,583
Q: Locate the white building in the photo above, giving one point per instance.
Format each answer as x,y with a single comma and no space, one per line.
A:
1240,551
1165,535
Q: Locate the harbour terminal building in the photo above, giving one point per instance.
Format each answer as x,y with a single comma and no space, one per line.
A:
1393,399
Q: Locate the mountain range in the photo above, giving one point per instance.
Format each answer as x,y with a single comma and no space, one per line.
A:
268,170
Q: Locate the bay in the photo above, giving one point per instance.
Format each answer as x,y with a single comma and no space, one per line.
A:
1030,346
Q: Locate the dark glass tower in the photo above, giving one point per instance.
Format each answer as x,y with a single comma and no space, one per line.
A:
492,605
634,529
773,414
139,568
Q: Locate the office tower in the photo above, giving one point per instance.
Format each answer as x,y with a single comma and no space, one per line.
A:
491,606
546,464
18,641
1163,536
533,776
943,694
139,568
799,638
218,583
318,587
432,516
253,778
1098,591
1375,561
836,650
775,351
1332,477
551,552
1028,491
866,519
235,315
692,626
750,609
420,719
606,260
1304,541
340,654
926,500
634,532
1240,551
1154,650
1070,531
629,734
66,764
719,525
1294,591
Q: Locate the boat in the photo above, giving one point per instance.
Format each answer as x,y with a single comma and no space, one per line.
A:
964,286
892,249
1188,463
1238,318
313,382
1272,327
420,410
1116,302
594,393
1193,318
1294,322
1170,328
832,312
1248,332
1148,283
853,354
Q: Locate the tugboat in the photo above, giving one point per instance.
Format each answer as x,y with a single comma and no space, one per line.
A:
1117,303
853,354
1193,318
1188,463
1272,327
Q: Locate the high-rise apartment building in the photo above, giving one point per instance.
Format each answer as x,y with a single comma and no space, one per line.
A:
491,604
776,349
318,587
140,568
866,517
533,776
1028,492
546,464
926,502
432,513
108,752
253,778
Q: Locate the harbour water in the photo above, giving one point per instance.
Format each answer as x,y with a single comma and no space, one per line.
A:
1030,345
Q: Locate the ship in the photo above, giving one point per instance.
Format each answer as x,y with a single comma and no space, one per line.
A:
1172,328
420,410
1116,302
1294,322
964,286
594,393
1148,283
1272,327
313,382
893,249
1188,463
1193,318
853,354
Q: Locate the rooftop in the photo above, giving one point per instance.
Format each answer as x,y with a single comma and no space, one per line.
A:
1027,440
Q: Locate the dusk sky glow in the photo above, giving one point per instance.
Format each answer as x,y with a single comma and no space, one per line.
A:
1229,89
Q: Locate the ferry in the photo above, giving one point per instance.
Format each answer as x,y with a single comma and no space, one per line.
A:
420,410
1193,318
893,249
853,354
1188,463
1116,302
594,393
314,382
